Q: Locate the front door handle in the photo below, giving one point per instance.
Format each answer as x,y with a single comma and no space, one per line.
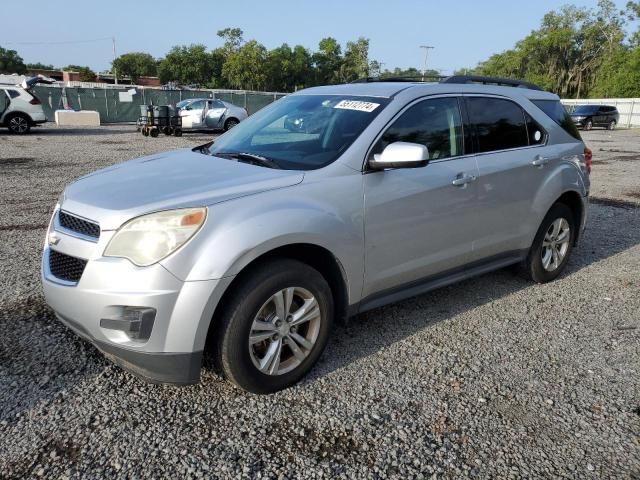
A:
540,161
462,179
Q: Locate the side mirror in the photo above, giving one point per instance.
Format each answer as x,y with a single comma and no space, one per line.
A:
401,155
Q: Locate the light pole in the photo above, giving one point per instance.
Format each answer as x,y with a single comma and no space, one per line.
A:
115,74
426,56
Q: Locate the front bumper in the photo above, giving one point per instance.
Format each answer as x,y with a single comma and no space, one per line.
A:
171,351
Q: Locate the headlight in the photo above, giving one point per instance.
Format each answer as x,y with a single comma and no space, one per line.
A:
148,239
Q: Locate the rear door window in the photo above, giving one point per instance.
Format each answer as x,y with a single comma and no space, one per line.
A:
554,110
499,124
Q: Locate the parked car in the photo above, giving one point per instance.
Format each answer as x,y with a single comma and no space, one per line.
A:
20,109
250,247
206,113
589,116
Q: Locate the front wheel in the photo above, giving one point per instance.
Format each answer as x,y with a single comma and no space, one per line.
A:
588,125
552,245
612,125
275,327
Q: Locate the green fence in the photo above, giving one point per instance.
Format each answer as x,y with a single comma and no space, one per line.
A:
107,101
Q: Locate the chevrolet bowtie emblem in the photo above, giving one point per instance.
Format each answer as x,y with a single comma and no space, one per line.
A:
53,239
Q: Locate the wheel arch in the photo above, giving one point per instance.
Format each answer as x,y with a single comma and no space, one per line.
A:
573,200
16,113
318,257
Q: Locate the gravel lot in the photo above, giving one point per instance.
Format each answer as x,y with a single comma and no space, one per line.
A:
493,377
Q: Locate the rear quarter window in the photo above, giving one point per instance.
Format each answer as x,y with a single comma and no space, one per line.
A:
554,110
499,124
13,93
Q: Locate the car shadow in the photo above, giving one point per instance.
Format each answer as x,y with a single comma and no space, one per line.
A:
367,333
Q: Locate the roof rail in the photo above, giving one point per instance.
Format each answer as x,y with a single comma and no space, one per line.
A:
413,79
507,82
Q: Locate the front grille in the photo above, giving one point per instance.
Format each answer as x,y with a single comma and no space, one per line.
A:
76,224
66,267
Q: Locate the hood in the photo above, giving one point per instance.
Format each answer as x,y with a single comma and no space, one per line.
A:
176,179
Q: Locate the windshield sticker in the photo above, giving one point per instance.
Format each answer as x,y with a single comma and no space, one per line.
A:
357,105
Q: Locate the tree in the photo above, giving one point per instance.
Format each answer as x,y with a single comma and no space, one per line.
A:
11,62
245,69
232,39
328,61
86,74
356,60
135,65
187,65
302,68
565,54
40,66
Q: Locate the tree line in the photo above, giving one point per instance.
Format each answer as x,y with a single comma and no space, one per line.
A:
577,53
239,64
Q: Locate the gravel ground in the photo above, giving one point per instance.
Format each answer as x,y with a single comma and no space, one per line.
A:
492,377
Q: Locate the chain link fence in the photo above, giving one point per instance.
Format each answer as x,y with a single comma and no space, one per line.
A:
116,105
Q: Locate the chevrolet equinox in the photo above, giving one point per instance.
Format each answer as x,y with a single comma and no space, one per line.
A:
249,247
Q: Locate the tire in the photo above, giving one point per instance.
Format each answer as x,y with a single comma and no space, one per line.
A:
19,124
239,361
588,125
177,131
154,132
612,125
560,215
145,131
230,123
167,131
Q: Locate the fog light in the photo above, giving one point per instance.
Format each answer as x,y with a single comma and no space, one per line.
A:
136,322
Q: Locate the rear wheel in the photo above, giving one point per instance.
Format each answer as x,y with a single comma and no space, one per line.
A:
275,326
588,125
19,124
177,131
552,245
154,132
230,123
612,125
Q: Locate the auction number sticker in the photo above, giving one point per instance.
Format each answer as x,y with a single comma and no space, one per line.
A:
357,105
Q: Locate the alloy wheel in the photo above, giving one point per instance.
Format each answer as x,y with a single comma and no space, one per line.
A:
19,124
284,331
555,244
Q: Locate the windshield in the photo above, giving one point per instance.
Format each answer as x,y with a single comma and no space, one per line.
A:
299,132
183,103
584,109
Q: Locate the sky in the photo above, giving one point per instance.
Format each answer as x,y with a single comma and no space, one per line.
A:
463,32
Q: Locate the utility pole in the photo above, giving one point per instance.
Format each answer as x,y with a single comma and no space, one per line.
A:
113,67
426,56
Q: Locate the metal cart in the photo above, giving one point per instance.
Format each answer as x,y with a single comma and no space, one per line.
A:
159,118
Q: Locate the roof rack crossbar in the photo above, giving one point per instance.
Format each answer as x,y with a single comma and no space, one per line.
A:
508,82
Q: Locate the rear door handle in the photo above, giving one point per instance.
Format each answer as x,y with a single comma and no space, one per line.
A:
462,179
540,161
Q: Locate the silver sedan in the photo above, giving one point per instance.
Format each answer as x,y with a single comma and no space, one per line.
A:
207,113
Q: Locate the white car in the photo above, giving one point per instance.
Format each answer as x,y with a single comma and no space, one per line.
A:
20,109
207,113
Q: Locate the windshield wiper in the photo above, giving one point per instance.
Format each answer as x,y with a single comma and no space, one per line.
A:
249,158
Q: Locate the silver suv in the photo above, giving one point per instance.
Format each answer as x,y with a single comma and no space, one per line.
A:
249,247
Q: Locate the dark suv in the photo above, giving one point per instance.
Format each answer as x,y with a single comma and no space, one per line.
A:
589,116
